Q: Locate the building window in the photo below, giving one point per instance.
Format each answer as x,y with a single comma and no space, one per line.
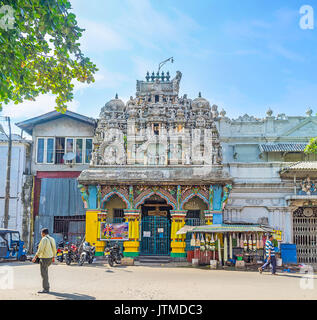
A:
40,150
71,227
59,150
88,150
118,213
69,145
193,214
156,128
79,150
50,150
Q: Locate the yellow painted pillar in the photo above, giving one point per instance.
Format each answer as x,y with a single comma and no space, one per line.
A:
131,247
178,243
93,230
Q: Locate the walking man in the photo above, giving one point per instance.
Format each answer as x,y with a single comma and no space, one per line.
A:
270,255
46,253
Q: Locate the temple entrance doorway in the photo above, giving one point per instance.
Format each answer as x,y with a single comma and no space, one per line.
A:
155,227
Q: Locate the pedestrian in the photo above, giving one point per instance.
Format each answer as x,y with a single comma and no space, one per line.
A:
46,253
270,255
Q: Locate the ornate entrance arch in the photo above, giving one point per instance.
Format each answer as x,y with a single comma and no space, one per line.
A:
108,196
200,196
140,199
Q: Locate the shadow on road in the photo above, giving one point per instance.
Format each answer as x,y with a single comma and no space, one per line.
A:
71,296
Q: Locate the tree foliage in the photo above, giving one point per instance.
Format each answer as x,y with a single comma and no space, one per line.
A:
312,146
39,51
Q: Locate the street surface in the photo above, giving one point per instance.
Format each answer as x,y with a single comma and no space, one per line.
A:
99,281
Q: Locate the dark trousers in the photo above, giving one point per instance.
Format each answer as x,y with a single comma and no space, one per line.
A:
272,261
44,264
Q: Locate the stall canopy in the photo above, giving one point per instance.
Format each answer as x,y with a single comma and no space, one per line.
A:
221,228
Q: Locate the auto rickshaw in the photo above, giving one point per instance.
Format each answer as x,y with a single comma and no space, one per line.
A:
11,245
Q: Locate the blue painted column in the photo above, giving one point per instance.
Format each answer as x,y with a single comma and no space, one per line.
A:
217,201
92,190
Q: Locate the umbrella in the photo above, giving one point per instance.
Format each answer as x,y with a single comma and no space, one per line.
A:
230,246
219,250
185,229
225,249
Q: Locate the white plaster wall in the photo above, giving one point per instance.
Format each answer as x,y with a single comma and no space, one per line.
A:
63,127
278,218
255,172
18,163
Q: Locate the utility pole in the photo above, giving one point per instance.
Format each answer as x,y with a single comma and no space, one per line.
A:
7,190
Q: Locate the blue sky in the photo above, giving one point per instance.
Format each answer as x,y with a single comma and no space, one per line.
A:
245,56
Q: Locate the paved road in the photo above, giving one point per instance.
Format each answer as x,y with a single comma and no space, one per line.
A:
98,281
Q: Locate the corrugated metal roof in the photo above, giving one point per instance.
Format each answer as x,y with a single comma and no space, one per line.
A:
282,147
302,165
14,137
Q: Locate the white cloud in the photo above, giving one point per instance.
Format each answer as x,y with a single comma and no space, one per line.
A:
29,109
280,50
99,37
104,79
139,24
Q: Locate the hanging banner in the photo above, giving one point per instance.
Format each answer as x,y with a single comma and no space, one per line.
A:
277,235
114,231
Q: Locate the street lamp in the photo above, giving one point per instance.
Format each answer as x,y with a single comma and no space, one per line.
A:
163,62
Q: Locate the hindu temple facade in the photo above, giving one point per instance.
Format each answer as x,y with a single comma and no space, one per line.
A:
156,164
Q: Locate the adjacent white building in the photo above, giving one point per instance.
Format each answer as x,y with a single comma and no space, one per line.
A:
20,184
273,179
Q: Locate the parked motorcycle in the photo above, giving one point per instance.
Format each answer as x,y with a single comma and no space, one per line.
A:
70,253
59,251
87,253
113,254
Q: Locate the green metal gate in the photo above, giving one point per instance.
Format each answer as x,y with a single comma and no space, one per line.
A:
155,233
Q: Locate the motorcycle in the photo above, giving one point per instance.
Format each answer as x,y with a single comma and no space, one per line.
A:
59,251
70,253
113,254
87,254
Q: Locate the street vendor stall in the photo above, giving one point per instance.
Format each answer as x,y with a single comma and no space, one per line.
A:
228,243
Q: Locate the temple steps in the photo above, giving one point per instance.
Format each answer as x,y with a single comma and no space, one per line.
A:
154,259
